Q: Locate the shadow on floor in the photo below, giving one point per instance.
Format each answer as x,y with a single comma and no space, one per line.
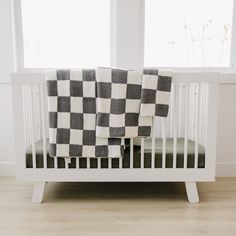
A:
115,191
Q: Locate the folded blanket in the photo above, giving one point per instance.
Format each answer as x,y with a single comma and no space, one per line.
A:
118,104
72,117
155,93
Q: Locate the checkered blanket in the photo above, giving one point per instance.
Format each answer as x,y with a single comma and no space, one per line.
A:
72,117
118,104
155,93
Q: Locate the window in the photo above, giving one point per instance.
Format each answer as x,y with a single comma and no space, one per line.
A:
65,33
187,33
125,33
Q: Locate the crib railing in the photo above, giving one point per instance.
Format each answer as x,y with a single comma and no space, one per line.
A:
192,116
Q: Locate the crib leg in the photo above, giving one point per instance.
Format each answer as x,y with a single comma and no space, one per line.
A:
38,192
192,192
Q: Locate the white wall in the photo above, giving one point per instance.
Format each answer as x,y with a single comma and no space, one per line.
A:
226,140
6,66
226,155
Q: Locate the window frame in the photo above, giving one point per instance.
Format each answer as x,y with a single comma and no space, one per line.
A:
233,38
127,22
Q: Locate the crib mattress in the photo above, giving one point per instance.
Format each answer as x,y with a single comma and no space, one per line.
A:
126,159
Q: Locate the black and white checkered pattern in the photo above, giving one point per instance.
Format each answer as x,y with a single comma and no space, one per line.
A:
72,117
156,88
118,104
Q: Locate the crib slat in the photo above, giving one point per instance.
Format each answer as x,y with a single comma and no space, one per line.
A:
163,142
33,126
171,109
66,164
186,121
197,102
55,162
175,118
38,117
109,163
25,115
88,162
175,151
204,115
77,162
180,110
29,113
99,163
206,112
142,154
26,112
120,162
200,113
43,126
153,143
131,153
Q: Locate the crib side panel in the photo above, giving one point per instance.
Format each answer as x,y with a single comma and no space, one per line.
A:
27,116
19,133
193,105
212,126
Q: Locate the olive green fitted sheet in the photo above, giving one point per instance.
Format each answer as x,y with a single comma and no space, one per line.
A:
126,159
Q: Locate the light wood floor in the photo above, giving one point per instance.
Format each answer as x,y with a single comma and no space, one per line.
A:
118,209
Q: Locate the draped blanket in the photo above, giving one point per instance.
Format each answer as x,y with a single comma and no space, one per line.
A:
155,95
128,100
91,112
119,98
72,117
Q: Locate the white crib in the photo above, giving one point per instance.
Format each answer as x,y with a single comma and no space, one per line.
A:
192,116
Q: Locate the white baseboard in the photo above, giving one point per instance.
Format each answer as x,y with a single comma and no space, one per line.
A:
7,168
223,169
